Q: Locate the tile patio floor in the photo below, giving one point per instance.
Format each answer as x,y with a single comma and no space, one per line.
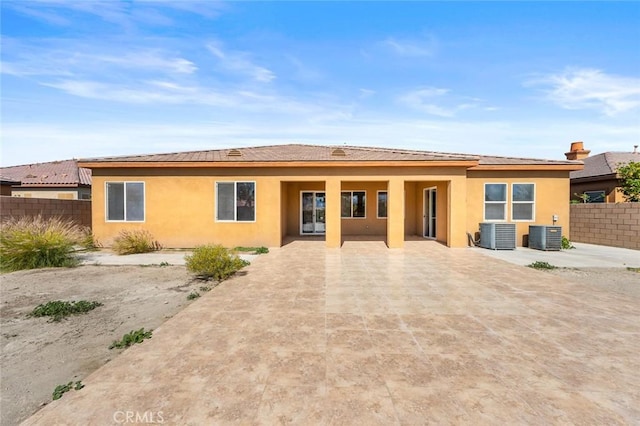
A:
366,335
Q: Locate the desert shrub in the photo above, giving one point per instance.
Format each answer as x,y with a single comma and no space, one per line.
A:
214,262
135,241
89,241
255,250
566,244
59,309
62,389
541,265
131,338
35,242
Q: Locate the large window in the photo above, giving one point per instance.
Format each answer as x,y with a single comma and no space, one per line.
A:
235,201
382,205
125,201
523,197
353,204
495,201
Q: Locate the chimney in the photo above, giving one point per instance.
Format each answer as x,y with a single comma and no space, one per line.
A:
577,151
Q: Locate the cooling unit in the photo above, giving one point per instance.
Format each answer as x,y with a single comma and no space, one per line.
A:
498,236
545,237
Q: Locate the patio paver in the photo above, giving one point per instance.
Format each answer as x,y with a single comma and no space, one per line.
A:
368,335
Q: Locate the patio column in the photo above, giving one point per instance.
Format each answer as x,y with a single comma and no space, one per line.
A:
395,213
457,210
333,235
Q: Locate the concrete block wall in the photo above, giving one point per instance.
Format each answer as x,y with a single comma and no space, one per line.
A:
77,210
616,225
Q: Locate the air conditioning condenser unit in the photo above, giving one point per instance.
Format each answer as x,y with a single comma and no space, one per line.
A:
498,236
545,237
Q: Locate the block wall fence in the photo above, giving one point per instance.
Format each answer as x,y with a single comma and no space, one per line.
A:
77,210
615,225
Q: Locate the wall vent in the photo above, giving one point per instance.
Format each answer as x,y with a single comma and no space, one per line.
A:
545,237
498,236
234,153
338,152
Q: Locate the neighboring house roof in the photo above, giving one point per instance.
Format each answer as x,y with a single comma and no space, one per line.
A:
604,165
320,153
51,174
7,181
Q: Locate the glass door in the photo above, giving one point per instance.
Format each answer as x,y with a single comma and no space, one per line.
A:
312,220
430,213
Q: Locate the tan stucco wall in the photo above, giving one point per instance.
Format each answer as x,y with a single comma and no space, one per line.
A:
180,208
551,195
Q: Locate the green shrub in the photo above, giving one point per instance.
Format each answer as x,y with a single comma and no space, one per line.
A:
62,389
214,262
566,244
132,338
541,265
35,242
135,241
193,295
255,250
59,309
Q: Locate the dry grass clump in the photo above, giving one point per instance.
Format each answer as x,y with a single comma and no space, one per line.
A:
35,242
135,241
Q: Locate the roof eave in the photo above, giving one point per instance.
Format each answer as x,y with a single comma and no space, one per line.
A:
566,167
273,164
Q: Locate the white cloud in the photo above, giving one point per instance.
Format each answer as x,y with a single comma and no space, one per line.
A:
366,93
121,13
591,89
66,58
412,47
240,62
424,100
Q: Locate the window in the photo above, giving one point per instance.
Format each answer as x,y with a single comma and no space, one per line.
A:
495,201
125,201
594,196
382,205
235,201
353,204
523,201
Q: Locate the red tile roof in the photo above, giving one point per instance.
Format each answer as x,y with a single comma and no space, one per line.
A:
301,153
55,173
605,164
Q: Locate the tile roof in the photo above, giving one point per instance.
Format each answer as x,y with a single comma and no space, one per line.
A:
300,152
55,173
604,164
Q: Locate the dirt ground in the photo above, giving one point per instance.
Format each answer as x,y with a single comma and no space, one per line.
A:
38,355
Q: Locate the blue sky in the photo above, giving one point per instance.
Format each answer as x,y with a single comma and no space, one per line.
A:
101,78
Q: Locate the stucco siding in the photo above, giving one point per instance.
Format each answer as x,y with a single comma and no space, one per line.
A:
551,198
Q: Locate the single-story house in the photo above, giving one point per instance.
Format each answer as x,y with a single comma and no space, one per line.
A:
599,181
262,196
55,179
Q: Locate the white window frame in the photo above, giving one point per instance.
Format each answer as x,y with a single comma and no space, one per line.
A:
351,191
106,201
505,202
235,200
533,202
378,203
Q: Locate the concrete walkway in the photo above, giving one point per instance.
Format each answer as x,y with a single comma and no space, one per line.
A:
367,335
582,256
